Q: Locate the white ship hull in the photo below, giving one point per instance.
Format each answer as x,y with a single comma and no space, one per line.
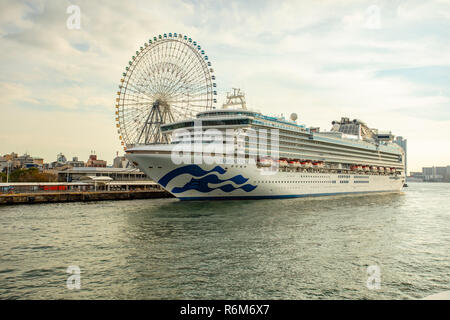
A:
226,181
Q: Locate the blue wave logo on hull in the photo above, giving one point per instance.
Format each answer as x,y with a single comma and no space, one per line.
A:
192,169
202,184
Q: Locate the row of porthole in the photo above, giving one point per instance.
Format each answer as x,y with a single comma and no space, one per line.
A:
298,181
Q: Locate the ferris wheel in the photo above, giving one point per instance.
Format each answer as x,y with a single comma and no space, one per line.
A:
169,79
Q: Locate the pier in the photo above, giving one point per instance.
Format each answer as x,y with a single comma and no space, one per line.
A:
29,193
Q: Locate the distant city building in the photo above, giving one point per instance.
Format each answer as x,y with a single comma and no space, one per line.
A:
56,165
11,156
14,161
403,143
10,161
61,158
75,163
3,163
26,161
429,174
38,161
94,162
415,176
61,162
442,171
436,174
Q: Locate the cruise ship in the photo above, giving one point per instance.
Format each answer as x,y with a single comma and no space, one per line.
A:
236,153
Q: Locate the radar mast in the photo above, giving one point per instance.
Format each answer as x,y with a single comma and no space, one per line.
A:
234,99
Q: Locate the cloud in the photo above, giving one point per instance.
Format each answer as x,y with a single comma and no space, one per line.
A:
15,93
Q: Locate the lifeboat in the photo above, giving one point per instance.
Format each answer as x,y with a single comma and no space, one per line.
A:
282,163
353,168
387,170
359,168
366,168
318,164
381,169
374,169
306,164
294,164
264,162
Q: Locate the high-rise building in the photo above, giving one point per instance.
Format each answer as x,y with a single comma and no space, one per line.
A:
442,171
437,174
403,143
429,171
433,173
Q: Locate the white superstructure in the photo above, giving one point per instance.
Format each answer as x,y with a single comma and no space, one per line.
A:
351,158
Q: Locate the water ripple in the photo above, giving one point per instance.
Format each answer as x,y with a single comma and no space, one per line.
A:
318,248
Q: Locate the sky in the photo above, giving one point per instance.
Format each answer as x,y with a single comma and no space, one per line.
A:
384,62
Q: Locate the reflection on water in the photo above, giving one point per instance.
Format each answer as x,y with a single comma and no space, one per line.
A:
316,248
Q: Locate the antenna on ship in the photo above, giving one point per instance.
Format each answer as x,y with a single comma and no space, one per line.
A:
235,98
